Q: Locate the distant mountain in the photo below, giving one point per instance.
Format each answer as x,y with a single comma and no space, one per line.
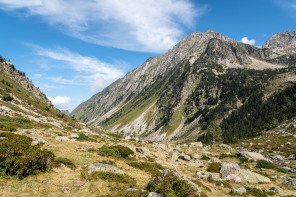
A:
197,89
65,112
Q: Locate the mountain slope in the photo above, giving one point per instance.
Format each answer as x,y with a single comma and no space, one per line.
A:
193,87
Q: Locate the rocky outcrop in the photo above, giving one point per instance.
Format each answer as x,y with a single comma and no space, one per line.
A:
251,155
281,41
101,167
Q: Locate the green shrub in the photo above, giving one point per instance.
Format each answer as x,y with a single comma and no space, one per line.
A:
124,151
91,150
255,192
106,151
265,164
283,170
204,157
170,185
118,136
7,98
113,177
82,136
152,168
18,157
61,160
214,167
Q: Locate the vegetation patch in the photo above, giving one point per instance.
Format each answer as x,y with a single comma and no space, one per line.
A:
61,160
18,157
171,185
115,135
152,168
113,177
123,150
265,164
214,167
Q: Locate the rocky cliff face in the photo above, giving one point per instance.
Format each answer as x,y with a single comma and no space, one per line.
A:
175,95
282,41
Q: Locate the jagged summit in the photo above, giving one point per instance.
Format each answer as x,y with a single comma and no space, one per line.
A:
282,41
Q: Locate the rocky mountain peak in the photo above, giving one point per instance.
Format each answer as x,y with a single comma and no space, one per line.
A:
283,41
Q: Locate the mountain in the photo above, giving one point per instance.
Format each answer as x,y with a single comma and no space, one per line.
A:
197,89
65,112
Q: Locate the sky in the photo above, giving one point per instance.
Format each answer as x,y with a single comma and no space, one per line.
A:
73,49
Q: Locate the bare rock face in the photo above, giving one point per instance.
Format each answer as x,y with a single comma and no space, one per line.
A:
101,167
281,41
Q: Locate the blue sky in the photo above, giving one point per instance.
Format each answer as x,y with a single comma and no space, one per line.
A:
72,49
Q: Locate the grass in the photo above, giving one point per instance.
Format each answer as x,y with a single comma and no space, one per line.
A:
112,177
175,121
151,168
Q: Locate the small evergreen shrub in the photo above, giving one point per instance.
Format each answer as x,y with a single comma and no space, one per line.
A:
265,164
61,160
152,168
214,167
255,192
7,98
82,136
18,157
170,185
124,151
204,157
118,136
91,150
107,151
283,170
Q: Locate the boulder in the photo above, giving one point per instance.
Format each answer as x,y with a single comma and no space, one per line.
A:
197,144
184,157
289,182
278,158
74,135
214,160
62,138
66,190
101,167
229,168
251,155
205,175
248,176
154,194
173,156
277,191
240,190
224,146
37,140
233,177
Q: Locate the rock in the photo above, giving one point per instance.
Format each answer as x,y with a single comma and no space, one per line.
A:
128,138
62,138
248,176
277,191
173,156
167,166
251,155
66,190
101,167
240,190
184,157
197,144
37,140
278,158
143,150
229,168
224,146
79,184
74,135
289,182
205,175
154,194
233,177
214,160
195,163
291,157
196,156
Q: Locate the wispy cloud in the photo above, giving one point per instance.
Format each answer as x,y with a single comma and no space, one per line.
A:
154,25
61,102
289,5
247,41
89,71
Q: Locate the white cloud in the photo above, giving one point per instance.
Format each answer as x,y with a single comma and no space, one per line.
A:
247,41
90,71
153,25
60,102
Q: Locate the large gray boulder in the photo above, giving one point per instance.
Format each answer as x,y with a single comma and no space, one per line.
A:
184,157
289,182
251,156
173,156
248,176
101,167
37,140
228,169
240,190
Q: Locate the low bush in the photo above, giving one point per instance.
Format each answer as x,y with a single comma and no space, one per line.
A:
61,160
18,157
255,192
107,151
283,170
265,164
124,151
118,136
7,98
82,136
113,177
152,168
204,157
171,185
91,150
214,167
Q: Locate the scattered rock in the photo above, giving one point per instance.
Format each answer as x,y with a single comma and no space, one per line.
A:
277,191
224,146
233,177
205,175
62,138
184,157
251,155
229,168
66,190
154,194
79,184
240,190
173,156
101,167
248,176
74,135
289,182
37,140
214,160
197,144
